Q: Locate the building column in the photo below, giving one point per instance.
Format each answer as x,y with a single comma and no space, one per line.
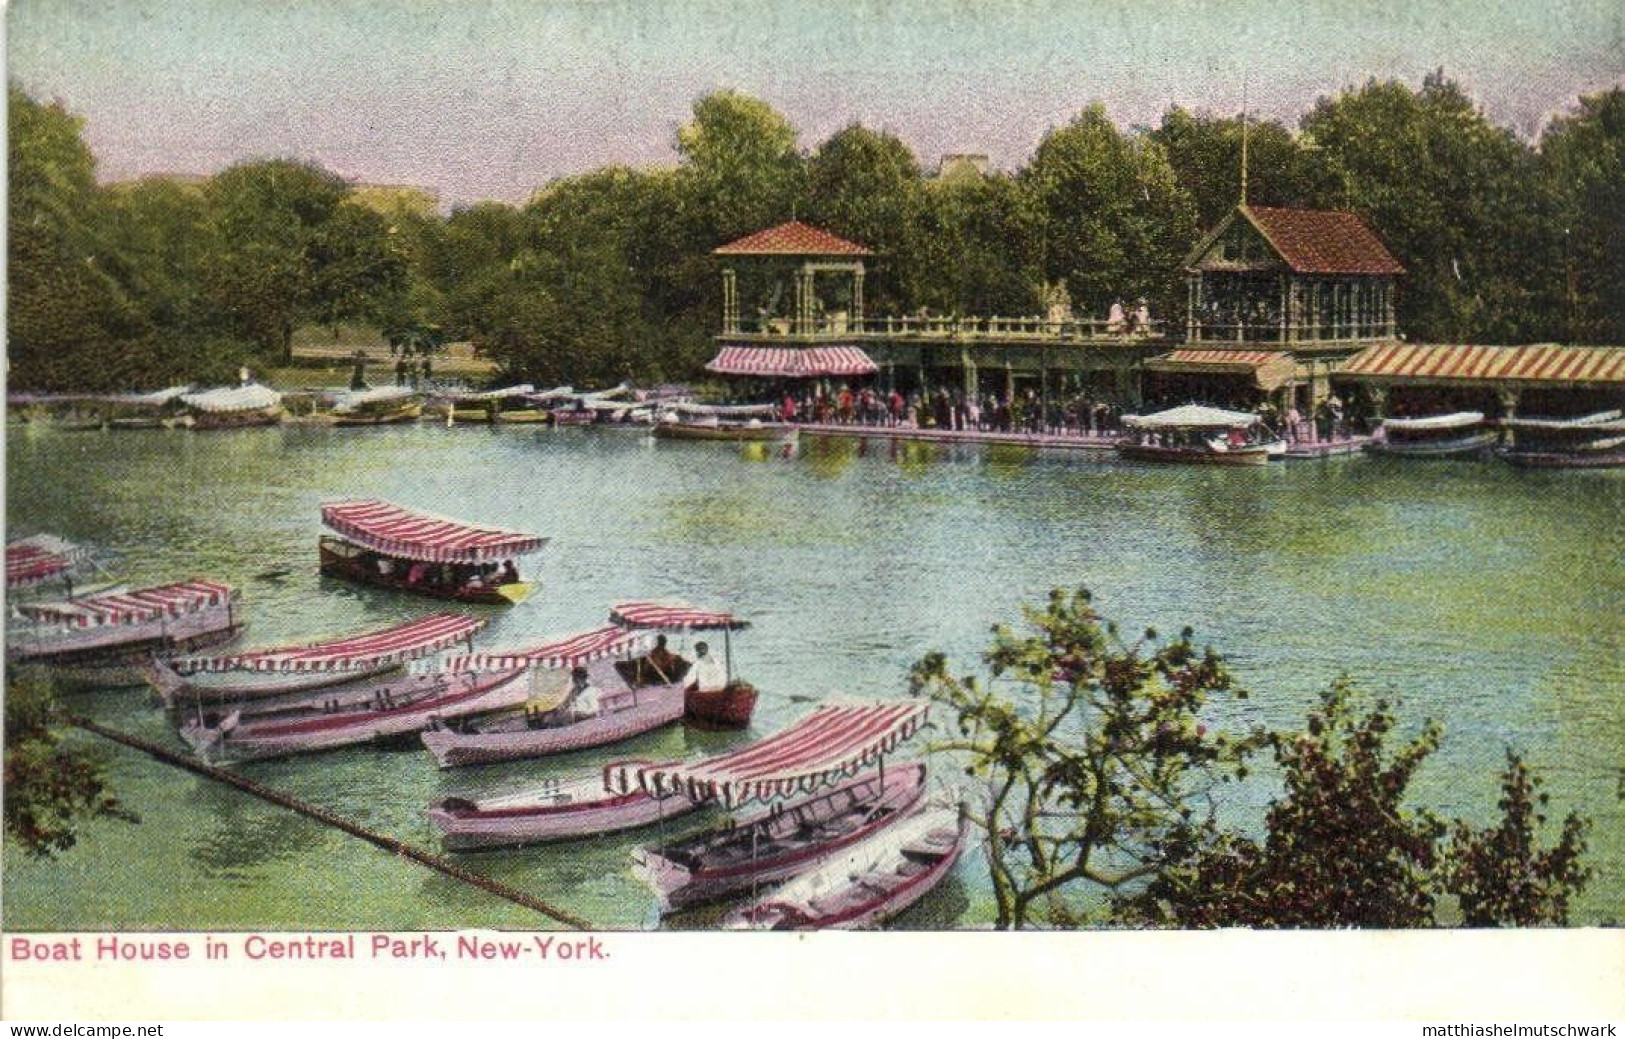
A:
1379,402
857,298
730,300
1508,398
1190,308
969,368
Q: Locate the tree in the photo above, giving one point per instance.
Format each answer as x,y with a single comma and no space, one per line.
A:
1582,162
1205,153
1500,876
741,167
50,787
866,186
1116,221
1094,764
292,249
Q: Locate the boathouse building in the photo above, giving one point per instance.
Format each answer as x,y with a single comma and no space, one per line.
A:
1283,304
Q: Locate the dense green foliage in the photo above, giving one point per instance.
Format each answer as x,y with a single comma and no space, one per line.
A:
1093,772
50,787
608,274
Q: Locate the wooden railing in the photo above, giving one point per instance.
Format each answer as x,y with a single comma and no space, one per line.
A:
947,327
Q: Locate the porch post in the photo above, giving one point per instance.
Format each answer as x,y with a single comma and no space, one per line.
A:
857,298
730,300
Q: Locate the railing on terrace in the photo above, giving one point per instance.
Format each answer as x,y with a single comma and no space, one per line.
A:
946,327
1262,332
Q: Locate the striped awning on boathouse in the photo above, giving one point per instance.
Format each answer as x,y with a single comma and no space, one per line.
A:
781,362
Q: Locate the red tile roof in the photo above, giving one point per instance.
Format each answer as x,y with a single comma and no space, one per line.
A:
792,239
1541,363
1318,241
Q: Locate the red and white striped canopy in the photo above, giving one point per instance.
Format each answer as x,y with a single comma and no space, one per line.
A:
1538,363
39,558
673,616
134,607
570,651
778,362
373,649
405,534
832,743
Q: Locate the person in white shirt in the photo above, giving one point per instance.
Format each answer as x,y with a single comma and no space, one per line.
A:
709,674
583,700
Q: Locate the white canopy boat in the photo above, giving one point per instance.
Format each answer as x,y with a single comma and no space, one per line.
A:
230,407
551,723
688,421
1588,442
872,882
377,407
1458,434
279,671
485,405
1197,434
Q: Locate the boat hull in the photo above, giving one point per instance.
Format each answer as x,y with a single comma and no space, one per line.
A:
1564,459
1455,447
770,847
650,708
409,413
273,737
723,431
727,708
175,689
583,809
868,899
336,564
201,420
125,665
1259,455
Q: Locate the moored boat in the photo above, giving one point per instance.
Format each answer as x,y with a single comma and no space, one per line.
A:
232,407
1199,435
1588,442
262,673
870,884
553,811
490,405
378,407
106,638
43,561
378,543
554,722
398,707
748,422
797,827
711,698
1460,434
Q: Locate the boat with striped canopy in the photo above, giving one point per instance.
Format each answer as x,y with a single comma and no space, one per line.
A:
279,671
42,559
378,543
729,705
554,723
105,638
795,826
1587,442
874,881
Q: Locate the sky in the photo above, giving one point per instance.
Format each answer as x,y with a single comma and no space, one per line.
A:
481,99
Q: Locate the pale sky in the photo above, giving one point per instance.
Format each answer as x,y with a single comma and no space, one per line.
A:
490,98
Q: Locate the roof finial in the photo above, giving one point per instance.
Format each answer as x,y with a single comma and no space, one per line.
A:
1244,140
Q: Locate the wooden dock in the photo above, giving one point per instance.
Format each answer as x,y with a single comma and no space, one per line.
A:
1090,442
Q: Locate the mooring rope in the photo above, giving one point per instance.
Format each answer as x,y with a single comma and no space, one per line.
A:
322,815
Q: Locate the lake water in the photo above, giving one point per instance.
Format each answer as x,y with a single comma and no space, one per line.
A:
1488,598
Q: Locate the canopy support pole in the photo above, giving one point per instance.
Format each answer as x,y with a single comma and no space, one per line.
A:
727,654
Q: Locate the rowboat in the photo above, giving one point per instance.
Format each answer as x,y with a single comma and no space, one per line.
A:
728,705
395,708
554,811
797,827
232,407
281,671
749,422
104,639
873,882
1588,442
1199,435
1460,434
553,725
378,407
377,543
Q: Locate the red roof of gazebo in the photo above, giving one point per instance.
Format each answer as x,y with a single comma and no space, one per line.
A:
1319,241
792,239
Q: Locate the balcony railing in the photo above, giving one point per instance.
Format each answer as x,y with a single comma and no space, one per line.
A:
1038,329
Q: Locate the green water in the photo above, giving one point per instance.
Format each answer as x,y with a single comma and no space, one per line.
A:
1488,598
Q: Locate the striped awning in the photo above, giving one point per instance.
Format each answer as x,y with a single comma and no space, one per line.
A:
570,651
1270,369
373,649
673,616
1542,363
394,531
832,743
40,558
780,362
133,607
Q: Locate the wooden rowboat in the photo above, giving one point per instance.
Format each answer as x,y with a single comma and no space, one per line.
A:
874,882
727,708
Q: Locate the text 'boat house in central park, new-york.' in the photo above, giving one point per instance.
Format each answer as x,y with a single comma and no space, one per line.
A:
1284,305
